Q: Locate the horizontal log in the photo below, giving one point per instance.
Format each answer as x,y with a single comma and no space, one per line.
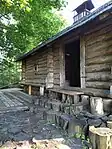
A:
99,27
93,36
104,51
98,85
98,68
99,76
56,85
56,71
99,60
36,81
56,76
57,80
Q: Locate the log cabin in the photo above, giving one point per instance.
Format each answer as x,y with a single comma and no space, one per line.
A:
78,59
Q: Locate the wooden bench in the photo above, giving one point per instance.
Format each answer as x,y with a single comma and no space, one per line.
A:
67,96
30,85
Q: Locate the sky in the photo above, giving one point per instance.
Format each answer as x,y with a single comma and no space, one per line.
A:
72,4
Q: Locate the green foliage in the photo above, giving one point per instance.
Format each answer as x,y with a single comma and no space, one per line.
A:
26,23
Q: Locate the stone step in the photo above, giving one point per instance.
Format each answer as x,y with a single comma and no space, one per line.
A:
67,122
73,109
67,108
55,105
50,116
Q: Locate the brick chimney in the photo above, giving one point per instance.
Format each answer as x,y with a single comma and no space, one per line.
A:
83,10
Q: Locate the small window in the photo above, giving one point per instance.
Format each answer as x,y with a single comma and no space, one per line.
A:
36,68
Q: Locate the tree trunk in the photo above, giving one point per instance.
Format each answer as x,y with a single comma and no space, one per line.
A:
100,138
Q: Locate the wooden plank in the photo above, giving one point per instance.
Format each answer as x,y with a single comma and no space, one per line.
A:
66,92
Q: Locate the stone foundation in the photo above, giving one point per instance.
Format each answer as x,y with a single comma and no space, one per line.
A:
74,122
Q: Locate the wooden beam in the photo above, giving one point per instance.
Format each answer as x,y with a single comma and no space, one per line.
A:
29,89
82,61
62,66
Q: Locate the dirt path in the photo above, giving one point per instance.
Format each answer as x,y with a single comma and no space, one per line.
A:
25,130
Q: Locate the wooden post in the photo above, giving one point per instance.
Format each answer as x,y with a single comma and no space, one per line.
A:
62,66
111,90
29,90
100,138
82,61
68,99
42,90
63,97
76,99
96,104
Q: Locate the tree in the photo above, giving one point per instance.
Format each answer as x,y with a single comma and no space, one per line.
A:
26,23
29,22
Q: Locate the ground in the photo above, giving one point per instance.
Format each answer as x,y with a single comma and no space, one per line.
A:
21,128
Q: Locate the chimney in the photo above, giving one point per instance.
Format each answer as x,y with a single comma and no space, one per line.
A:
82,10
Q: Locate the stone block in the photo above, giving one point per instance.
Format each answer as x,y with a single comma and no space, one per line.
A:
64,120
85,99
58,118
37,102
96,104
42,102
56,106
78,108
110,118
72,110
76,126
70,99
66,108
50,116
48,105
86,102
109,124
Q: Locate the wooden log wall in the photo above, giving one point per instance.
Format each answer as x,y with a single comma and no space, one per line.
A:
38,76
48,73
98,56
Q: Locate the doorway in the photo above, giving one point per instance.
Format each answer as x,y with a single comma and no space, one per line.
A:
72,63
